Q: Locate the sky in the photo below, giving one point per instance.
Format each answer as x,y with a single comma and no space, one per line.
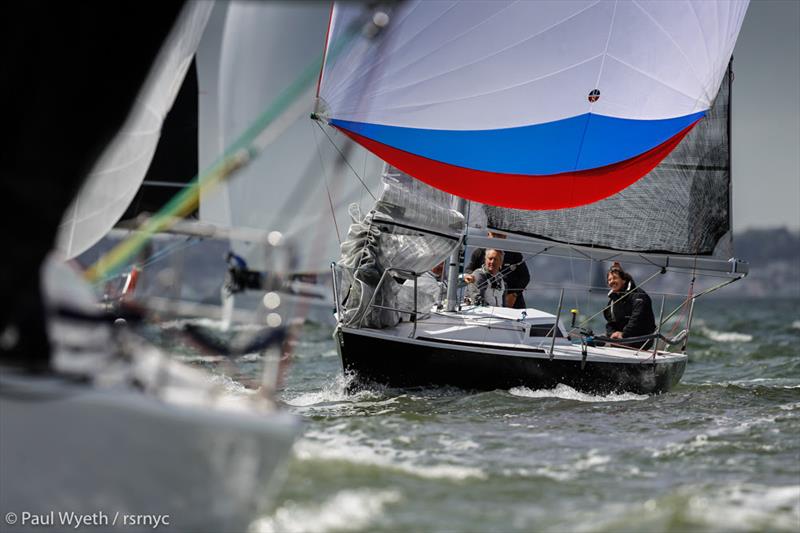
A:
766,117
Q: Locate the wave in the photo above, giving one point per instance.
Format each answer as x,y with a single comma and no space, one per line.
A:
796,324
232,386
734,507
774,383
313,352
744,506
681,449
765,385
210,324
725,336
347,510
566,392
349,448
569,470
203,358
715,438
451,444
337,392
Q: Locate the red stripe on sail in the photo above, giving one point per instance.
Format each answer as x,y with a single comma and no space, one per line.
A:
519,191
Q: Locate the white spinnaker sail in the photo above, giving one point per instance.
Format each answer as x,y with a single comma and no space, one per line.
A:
118,174
250,54
493,64
555,104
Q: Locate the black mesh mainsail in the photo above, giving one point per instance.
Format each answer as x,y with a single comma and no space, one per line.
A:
680,207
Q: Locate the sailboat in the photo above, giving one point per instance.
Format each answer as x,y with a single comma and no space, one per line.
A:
118,429
590,129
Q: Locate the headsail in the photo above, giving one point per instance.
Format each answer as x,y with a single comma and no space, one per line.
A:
300,184
411,227
533,105
117,175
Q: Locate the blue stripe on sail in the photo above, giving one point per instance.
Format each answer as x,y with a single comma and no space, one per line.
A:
578,143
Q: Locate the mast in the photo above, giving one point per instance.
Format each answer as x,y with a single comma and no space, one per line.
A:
455,256
730,156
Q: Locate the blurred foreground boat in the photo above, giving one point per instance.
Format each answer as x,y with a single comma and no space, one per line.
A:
116,426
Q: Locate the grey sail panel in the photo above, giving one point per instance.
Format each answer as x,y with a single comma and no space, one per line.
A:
681,207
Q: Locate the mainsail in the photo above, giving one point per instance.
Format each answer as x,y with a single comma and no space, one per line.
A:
531,105
680,207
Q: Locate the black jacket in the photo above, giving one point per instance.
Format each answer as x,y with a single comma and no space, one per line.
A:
515,273
632,315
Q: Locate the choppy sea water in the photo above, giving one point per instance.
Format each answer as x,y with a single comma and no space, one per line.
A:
721,452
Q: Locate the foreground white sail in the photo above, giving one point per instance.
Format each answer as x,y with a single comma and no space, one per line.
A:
118,174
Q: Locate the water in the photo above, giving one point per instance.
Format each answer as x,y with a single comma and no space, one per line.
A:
719,452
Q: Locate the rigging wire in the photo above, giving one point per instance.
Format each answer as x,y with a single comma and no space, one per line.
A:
327,188
687,303
346,161
572,275
363,173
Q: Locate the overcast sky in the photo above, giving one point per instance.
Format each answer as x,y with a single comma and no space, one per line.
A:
766,117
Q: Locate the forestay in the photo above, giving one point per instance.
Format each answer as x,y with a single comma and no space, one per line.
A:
532,105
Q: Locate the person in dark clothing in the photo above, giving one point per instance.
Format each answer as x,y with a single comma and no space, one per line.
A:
515,273
71,73
240,277
487,286
630,311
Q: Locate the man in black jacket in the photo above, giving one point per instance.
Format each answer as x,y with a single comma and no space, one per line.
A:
630,311
514,270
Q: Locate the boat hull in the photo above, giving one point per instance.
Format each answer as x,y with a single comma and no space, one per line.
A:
75,448
408,363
